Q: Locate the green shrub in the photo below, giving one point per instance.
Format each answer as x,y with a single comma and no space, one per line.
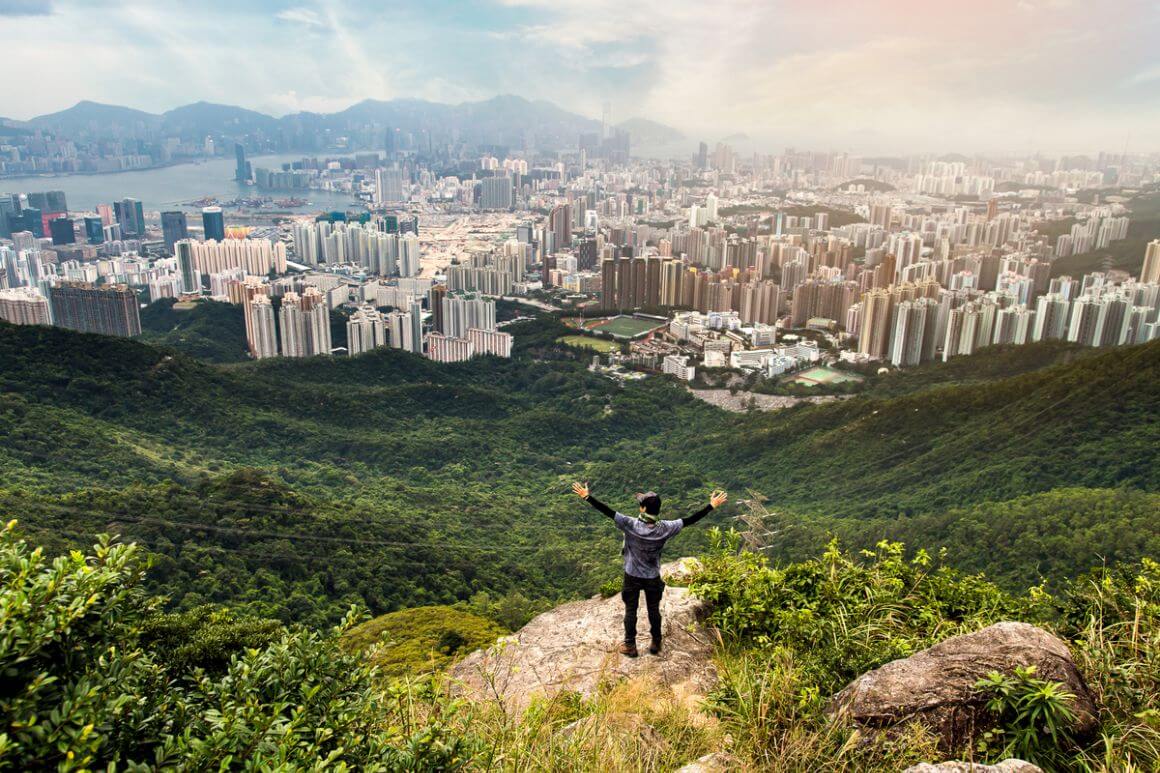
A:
82,689
843,616
1034,717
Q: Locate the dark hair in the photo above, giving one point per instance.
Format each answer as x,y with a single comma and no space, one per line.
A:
651,505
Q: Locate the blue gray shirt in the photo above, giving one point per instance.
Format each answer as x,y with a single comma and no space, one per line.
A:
643,543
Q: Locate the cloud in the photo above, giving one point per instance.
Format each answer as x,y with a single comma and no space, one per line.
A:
25,7
304,16
904,75
1145,76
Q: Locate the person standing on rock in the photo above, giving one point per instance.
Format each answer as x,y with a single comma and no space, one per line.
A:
644,539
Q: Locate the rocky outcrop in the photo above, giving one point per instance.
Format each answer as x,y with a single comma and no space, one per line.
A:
1006,766
937,686
573,647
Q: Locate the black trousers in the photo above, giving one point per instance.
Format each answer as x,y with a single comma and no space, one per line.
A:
653,588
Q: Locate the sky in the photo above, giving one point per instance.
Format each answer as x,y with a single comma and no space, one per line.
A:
864,76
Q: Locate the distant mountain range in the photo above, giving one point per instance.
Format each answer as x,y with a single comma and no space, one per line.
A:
502,120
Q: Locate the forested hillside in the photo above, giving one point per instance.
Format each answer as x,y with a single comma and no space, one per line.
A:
291,489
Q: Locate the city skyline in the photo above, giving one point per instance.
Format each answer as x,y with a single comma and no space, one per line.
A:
880,78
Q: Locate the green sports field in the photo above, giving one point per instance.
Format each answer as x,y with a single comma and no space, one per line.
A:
623,327
824,375
588,342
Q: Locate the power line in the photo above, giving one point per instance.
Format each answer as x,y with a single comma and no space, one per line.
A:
291,536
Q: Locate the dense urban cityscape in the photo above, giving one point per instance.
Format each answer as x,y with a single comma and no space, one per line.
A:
772,264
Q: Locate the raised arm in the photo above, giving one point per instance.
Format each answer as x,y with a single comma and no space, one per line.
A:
581,490
716,500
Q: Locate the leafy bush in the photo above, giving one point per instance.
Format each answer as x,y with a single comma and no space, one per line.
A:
81,687
1034,717
842,616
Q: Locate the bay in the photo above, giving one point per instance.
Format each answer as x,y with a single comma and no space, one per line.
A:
171,187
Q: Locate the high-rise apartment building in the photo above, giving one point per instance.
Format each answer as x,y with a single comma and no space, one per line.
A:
560,227
305,324
1051,317
877,315
366,330
109,310
24,306
494,342
261,332
496,193
257,257
459,313
389,185
1150,273
406,329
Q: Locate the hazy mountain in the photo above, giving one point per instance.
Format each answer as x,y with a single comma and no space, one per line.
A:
95,118
202,118
502,120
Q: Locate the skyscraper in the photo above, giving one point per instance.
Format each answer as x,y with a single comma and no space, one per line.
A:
131,215
214,223
242,167
560,226
94,230
174,228
62,230
109,310
186,265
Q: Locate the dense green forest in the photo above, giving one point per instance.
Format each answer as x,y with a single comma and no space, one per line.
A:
291,489
208,330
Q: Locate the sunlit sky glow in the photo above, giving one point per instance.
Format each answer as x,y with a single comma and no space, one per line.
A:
859,75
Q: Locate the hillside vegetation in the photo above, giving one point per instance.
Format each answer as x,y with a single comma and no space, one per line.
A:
97,679
292,489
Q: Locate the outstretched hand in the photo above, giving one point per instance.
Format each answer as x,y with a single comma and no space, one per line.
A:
718,498
580,489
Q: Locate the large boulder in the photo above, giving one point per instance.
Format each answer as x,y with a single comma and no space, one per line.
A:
937,686
573,648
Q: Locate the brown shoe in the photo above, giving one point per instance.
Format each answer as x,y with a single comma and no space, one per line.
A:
655,647
628,650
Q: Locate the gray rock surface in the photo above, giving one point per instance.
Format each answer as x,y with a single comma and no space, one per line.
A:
716,762
1006,766
936,686
573,647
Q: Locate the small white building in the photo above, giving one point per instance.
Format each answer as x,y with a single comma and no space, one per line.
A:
678,365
